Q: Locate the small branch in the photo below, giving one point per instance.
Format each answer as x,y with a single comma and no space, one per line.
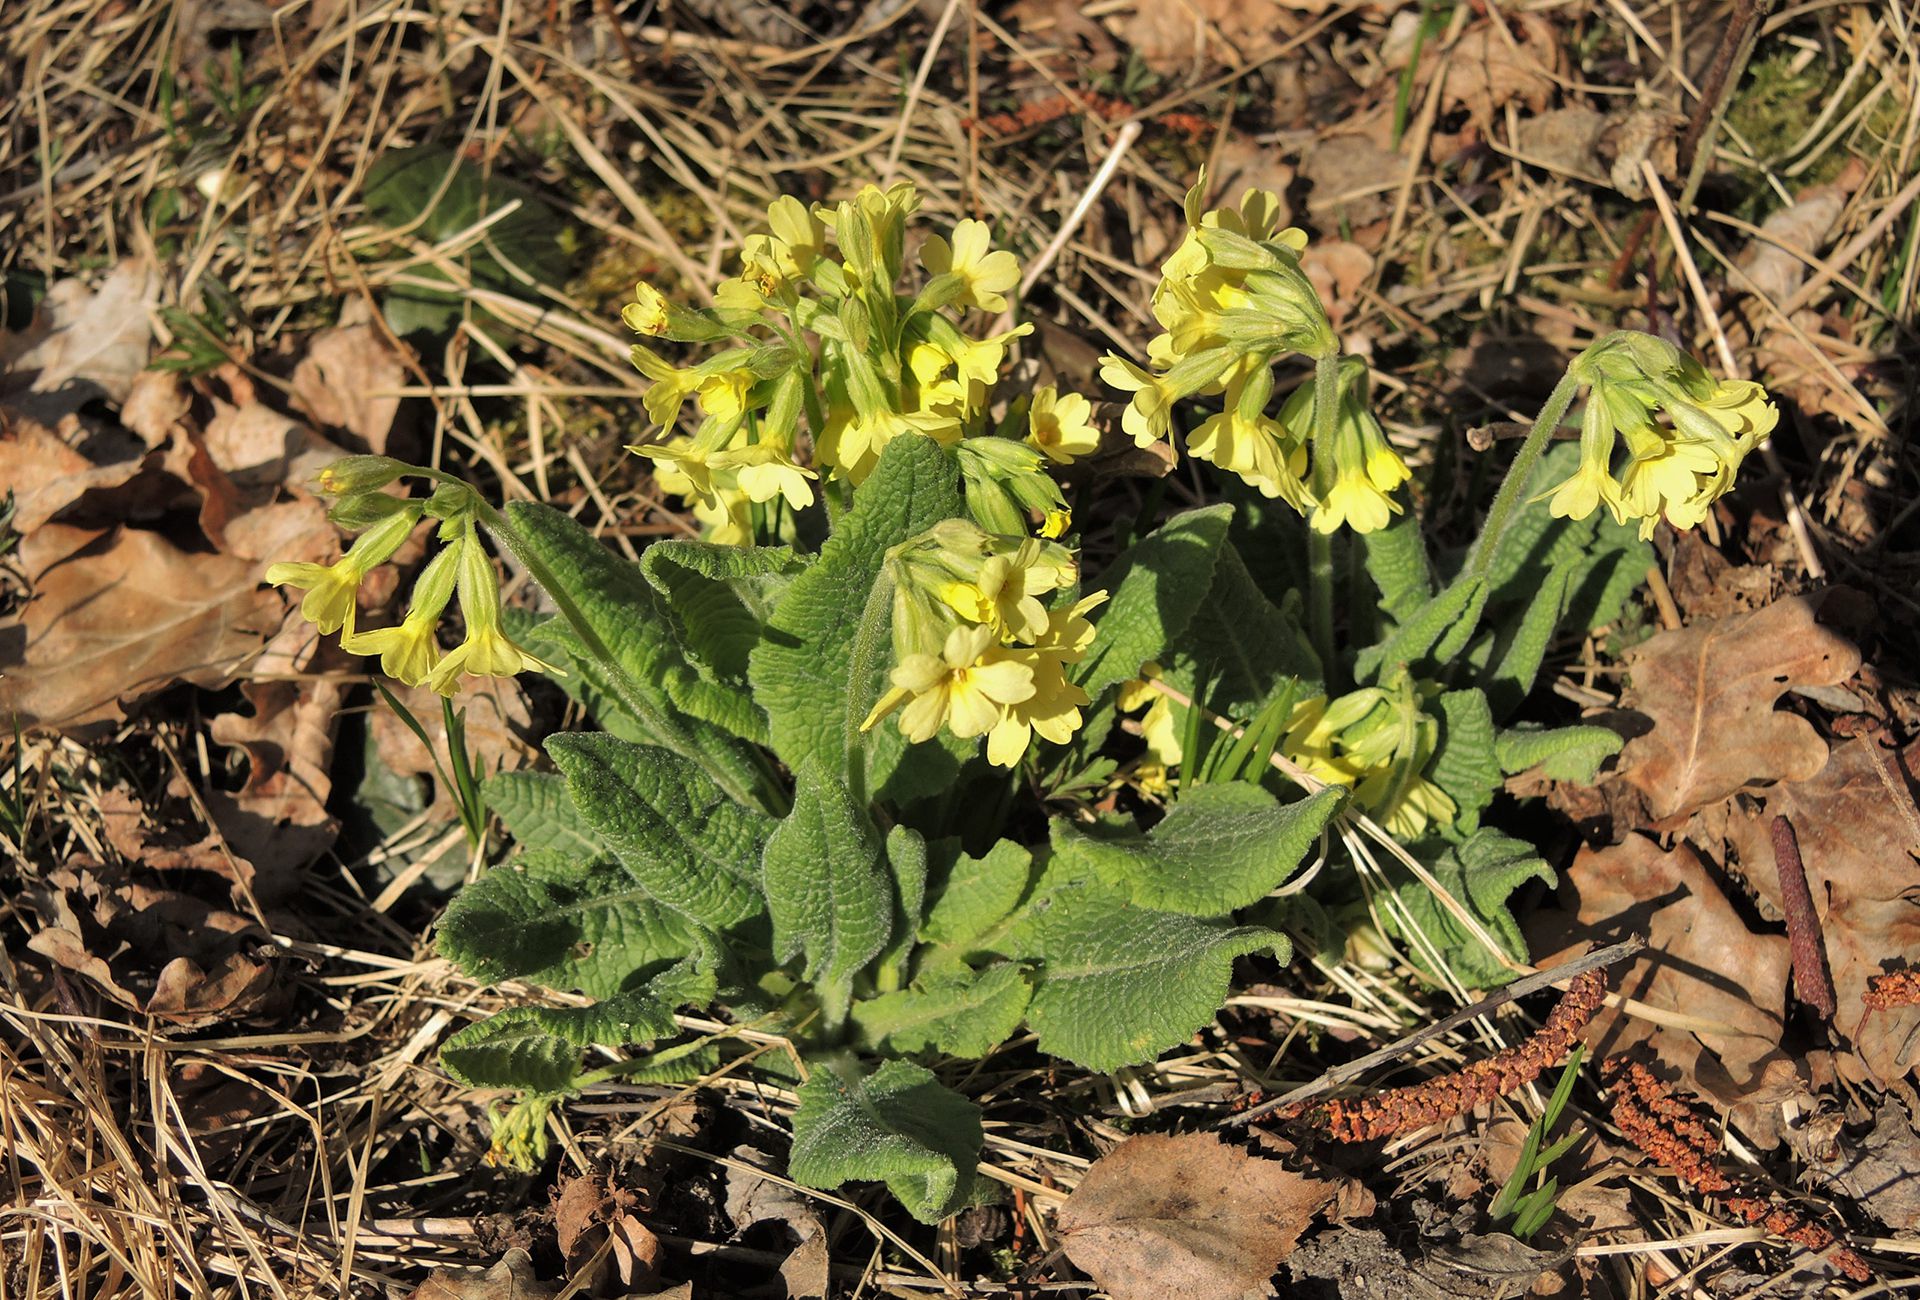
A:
1520,988
1811,983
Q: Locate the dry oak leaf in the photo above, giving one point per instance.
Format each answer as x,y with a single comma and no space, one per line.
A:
46,471
1170,35
1186,1218
123,616
347,382
95,341
1721,987
1862,858
513,1278
1710,690
1507,59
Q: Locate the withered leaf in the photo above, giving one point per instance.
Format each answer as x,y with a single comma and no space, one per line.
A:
1881,1170
47,473
124,616
97,338
1722,985
1509,58
1710,690
1862,858
513,1278
1186,1218
341,381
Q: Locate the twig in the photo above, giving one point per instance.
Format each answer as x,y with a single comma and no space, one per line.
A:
1811,983
1596,960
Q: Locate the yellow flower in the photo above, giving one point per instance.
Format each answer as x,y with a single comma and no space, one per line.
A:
1053,710
765,471
409,652
670,387
1004,594
1355,499
966,688
852,444
1404,813
684,462
723,395
647,313
979,360
487,651
331,588
1149,414
985,276
1669,476
1261,450
1592,484
1061,425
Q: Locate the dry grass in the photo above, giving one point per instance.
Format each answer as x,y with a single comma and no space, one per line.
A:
326,1153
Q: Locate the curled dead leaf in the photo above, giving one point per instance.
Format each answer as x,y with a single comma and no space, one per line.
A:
91,341
1509,58
1186,1218
1710,690
346,383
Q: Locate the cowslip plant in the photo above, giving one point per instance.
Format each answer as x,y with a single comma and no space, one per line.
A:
836,790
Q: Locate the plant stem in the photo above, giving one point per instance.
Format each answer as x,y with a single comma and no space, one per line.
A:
1507,500
1326,407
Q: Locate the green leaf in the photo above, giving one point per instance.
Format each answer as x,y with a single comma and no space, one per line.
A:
535,809
907,864
1417,638
561,921
827,887
538,1048
1222,847
802,671
1521,646
976,895
677,832
1482,874
962,1013
1120,984
1463,763
1561,753
1398,564
1156,586
626,616
1621,558
1243,643
899,1125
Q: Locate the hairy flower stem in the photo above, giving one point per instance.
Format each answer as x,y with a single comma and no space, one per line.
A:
1326,407
1508,500
632,698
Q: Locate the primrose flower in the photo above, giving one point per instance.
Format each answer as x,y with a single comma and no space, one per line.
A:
1060,425
966,688
689,466
332,588
1243,440
1675,470
670,389
487,651
765,471
409,652
1149,414
647,313
983,275
1053,710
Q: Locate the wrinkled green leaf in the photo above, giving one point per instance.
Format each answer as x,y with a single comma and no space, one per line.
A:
1243,643
1425,634
718,598
1222,847
1398,564
1561,753
1482,874
680,836
907,864
802,670
977,894
1155,587
827,885
562,921
535,808
1463,764
1120,984
962,1013
899,1125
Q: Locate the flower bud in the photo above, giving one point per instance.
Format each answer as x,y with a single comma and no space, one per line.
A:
352,474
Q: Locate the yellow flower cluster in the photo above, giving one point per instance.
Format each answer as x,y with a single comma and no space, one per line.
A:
1376,742
975,649
1675,470
1232,301
410,651
819,335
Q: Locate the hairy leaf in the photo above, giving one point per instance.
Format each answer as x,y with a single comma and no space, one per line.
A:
827,886
1222,847
1481,874
1156,585
820,635
1521,646
907,864
1398,564
977,894
1120,984
680,836
1425,633
898,1125
536,809
1561,753
961,1013
538,1048
563,921
1243,643
1464,764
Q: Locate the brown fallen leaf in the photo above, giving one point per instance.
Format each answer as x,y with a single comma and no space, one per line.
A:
1338,270
753,1198
1804,225
1880,1169
153,951
345,383
1701,966
1710,690
591,1212
1186,1218
1171,35
1510,58
278,820
124,615
92,341
1862,859
513,1278
46,471
497,725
